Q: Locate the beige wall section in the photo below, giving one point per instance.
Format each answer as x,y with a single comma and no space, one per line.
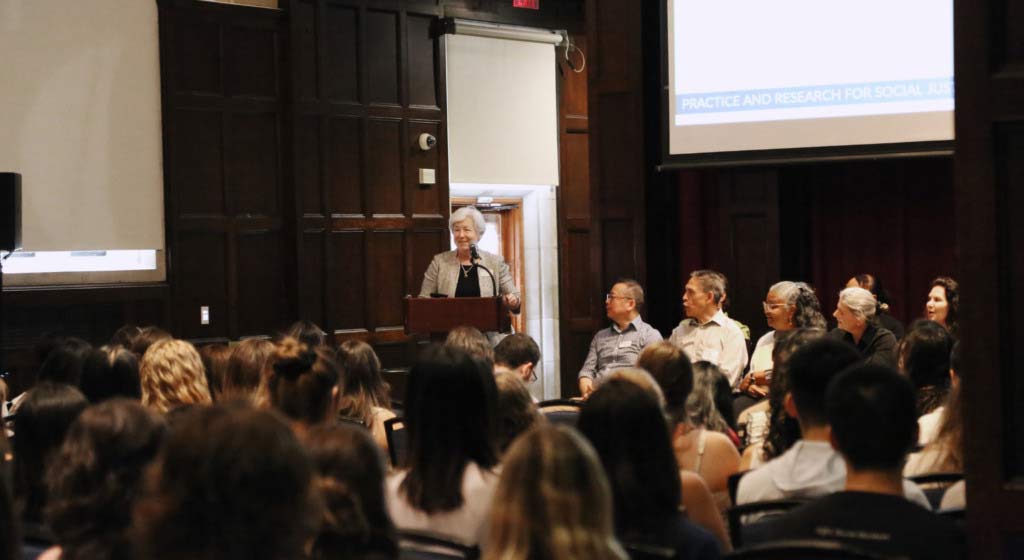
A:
256,3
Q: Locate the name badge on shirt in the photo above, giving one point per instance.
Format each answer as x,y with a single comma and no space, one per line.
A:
626,344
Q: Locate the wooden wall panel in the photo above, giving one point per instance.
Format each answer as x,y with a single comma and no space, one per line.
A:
618,252
246,51
426,199
385,255
580,304
312,302
252,145
422,53
201,279
341,53
381,35
198,186
197,68
262,286
304,39
344,152
347,281
384,166
308,172
423,245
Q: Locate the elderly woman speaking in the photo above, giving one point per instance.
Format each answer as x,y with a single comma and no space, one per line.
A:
460,273
858,325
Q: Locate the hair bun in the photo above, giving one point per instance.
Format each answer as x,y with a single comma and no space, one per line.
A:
294,367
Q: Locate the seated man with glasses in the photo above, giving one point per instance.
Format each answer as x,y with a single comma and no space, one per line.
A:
620,344
518,354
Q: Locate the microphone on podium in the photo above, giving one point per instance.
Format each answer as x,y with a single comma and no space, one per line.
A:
475,257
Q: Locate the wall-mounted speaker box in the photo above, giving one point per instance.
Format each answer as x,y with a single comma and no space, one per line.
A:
10,212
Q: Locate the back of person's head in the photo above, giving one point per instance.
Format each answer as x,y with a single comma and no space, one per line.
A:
515,409
670,367
924,356
515,350
555,501
810,370
96,477
43,419
146,337
65,361
362,386
171,373
232,482
472,341
110,372
351,482
125,336
627,427
701,406
246,369
215,359
784,430
308,333
302,382
871,411
450,418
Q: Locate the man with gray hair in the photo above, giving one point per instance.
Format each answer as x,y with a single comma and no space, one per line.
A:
707,334
619,345
858,325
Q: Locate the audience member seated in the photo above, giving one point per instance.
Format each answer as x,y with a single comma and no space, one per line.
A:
355,521
555,501
365,397
811,467
788,306
768,430
924,356
519,354
125,336
232,482
302,384
702,444
626,425
874,285
110,372
447,482
620,344
707,334
215,364
62,363
147,337
171,373
945,451
943,305
43,419
245,376
872,414
516,410
855,313
308,333
96,477
472,341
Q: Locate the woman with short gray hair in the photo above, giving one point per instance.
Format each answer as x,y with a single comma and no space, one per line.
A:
855,313
468,271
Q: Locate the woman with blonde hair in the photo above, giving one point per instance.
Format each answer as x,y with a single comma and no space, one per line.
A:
556,501
172,375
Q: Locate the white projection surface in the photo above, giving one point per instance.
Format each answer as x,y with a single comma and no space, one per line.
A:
760,75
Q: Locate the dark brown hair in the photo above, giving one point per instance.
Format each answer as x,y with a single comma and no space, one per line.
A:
301,381
247,368
362,386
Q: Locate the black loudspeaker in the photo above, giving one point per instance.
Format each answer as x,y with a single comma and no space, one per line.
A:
10,212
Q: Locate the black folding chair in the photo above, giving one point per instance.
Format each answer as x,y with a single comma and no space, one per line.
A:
427,545
934,485
733,484
563,412
643,551
811,549
398,440
764,510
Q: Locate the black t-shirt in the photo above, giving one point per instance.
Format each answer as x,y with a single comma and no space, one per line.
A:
877,345
879,523
469,283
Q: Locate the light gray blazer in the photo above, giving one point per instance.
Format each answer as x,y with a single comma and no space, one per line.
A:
442,276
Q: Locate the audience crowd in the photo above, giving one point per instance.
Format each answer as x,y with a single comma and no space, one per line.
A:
688,446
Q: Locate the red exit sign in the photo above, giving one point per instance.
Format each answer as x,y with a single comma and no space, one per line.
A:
528,4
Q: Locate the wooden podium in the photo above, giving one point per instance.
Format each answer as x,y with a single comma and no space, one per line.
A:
441,315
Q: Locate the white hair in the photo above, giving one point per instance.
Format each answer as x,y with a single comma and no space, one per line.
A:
861,302
469,212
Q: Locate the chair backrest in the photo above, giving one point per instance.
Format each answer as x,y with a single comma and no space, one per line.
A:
733,484
428,545
644,551
811,549
562,412
934,485
398,440
763,509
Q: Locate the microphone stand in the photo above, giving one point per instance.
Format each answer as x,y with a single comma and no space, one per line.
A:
476,261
